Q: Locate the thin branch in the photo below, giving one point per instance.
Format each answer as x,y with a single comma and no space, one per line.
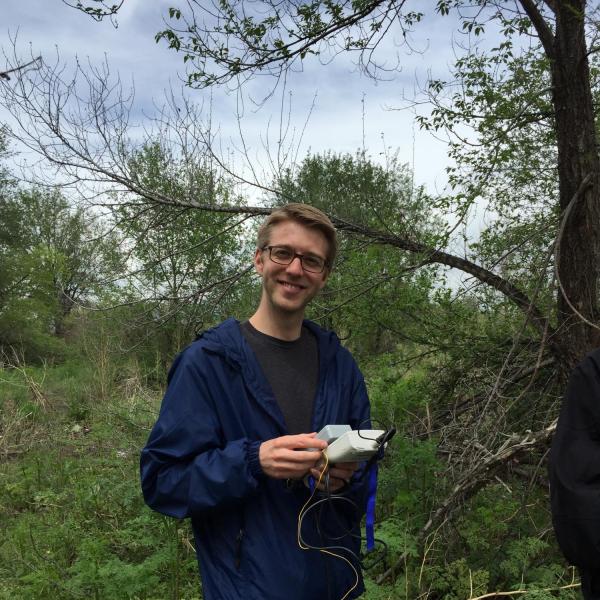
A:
543,30
5,74
582,187
518,592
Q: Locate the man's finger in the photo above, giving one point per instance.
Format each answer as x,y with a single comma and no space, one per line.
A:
301,456
333,485
299,442
341,473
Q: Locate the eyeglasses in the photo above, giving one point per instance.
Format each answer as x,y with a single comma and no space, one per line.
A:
283,255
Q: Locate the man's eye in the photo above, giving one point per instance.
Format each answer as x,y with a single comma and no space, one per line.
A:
312,262
282,253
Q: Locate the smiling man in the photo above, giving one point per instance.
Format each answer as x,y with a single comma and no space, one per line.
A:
235,438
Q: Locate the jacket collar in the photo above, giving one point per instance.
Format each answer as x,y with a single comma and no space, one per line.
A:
228,341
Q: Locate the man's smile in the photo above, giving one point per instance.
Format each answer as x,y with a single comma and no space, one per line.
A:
291,286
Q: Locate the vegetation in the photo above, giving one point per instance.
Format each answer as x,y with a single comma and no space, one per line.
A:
99,290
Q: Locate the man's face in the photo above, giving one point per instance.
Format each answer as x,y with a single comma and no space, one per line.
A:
289,288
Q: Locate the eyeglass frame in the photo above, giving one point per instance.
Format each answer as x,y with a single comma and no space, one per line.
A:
294,257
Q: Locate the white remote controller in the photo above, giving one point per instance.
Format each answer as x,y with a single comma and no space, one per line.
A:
354,446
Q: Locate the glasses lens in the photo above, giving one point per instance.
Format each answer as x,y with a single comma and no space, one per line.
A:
313,263
281,255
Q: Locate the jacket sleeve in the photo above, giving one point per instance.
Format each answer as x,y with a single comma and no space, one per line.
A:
574,467
187,466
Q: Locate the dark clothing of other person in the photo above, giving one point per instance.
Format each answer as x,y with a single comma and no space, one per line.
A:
590,584
574,469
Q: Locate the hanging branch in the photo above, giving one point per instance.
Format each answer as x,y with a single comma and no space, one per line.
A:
97,11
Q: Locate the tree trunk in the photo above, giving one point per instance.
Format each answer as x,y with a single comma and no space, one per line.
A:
579,244
65,306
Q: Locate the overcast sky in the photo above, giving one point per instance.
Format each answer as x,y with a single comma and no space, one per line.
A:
340,93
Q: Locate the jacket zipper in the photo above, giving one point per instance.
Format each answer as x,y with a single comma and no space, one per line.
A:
238,549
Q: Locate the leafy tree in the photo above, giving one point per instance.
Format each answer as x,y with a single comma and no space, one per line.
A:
183,264
55,259
25,314
78,255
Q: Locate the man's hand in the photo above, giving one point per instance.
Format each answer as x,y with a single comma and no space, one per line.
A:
339,476
286,457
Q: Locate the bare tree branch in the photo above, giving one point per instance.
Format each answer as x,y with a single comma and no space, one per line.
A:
20,68
474,479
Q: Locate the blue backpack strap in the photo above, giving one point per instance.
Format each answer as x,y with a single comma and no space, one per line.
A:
370,517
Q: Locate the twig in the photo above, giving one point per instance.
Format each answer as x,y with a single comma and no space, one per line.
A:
5,74
516,592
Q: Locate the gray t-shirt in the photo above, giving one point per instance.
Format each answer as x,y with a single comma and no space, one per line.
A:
292,370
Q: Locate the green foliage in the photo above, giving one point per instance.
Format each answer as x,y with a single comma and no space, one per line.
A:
357,189
73,523
47,268
520,554
374,591
498,540
525,559
499,101
492,513
457,581
97,9
275,36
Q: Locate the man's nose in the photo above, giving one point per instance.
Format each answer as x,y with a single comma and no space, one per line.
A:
295,266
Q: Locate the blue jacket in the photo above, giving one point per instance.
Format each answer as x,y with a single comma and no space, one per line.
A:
201,461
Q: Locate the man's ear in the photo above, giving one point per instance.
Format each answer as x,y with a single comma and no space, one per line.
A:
258,262
325,278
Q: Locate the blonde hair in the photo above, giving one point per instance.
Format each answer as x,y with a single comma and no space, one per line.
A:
306,215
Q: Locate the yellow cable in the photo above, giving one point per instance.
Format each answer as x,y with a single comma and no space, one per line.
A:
308,501
303,547
351,566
